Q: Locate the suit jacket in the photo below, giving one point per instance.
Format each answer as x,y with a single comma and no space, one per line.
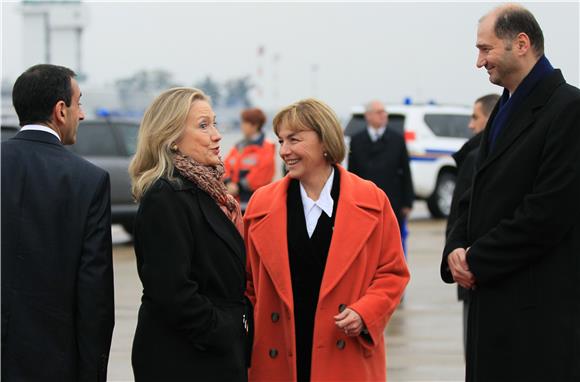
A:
386,163
365,270
191,262
522,224
57,271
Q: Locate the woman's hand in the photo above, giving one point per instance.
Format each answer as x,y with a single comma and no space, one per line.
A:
350,322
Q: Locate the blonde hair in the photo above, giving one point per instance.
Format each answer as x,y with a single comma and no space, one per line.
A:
315,115
162,124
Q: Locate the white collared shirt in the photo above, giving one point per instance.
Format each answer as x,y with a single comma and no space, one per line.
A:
40,128
375,134
313,208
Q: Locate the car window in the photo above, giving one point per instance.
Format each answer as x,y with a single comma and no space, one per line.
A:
129,133
358,123
95,139
397,123
449,125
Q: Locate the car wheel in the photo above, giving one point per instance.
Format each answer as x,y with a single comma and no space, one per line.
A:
439,203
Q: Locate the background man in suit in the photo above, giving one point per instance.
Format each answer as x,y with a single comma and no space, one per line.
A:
57,272
465,159
516,240
380,155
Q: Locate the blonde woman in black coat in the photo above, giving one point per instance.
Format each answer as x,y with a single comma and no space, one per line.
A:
190,255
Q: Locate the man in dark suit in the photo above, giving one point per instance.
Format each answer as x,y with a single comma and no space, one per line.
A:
465,159
516,241
380,155
57,272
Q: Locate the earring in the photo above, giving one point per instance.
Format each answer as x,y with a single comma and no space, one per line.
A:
325,154
173,148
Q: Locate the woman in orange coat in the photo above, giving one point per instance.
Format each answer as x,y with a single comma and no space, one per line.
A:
325,264
250,163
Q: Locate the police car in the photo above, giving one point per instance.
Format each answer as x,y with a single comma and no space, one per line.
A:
432,133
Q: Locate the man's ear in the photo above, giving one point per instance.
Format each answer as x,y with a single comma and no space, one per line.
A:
59,112
522,43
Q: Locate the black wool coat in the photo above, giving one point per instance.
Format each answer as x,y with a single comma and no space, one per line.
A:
385,163
57,268
191,262
522,224
465,159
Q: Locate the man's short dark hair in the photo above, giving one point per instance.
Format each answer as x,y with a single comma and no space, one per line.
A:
487,103
38,89
514,20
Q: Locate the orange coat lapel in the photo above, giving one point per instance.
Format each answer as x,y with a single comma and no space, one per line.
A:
268,236
352,228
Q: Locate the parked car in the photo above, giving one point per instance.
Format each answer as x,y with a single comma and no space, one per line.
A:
109,144
432,134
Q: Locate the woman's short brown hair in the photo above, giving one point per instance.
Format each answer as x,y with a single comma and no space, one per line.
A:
315,115
254,116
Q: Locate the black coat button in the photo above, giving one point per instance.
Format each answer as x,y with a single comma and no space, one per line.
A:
273,353
341,307
275,317
340,344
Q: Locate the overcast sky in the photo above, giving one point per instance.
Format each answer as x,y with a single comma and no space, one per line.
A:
343,53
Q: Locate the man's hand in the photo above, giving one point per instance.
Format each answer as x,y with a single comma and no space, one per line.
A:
457,261
349,321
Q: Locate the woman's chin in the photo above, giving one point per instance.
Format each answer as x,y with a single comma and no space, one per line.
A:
292,173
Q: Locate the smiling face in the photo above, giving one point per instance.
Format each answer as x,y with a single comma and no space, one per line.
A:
497,56
302,152
200,139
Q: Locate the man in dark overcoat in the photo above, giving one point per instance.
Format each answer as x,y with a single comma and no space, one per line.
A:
516,241
57,271
465,159
379,154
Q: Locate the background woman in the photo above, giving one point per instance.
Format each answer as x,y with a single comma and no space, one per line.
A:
190,255
325,262
250,163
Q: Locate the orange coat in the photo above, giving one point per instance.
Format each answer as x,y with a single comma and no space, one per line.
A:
365,270
250,166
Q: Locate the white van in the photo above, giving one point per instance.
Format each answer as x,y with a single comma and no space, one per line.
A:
432,133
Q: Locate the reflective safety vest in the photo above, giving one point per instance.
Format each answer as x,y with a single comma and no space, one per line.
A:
251,165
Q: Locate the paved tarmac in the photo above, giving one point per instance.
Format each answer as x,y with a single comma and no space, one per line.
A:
423,337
